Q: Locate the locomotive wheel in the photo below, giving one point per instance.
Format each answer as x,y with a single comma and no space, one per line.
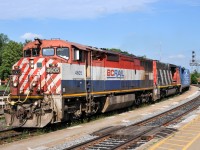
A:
137,101
148,99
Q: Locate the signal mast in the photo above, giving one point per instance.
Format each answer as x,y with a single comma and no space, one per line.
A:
194,62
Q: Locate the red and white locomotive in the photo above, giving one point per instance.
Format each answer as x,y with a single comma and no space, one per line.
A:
57,80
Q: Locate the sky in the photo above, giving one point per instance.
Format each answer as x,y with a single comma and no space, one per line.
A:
165,30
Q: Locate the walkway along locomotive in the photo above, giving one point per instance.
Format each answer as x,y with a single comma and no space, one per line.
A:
57,80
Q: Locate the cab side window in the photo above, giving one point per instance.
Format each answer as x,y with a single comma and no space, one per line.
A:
63,52
79,55
35,52
27,53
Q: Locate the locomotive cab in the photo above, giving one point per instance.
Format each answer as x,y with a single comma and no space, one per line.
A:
40,64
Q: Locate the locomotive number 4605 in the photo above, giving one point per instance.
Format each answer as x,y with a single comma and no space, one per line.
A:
51,70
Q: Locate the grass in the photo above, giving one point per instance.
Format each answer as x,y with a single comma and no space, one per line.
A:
2,118
3,88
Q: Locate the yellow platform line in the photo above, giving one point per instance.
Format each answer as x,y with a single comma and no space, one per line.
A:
192,141
181,136
162,141
174,144
180,140
195,128
190,130
197,125
165,148
185,133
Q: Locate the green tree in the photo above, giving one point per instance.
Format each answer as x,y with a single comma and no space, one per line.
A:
11,53
26,42
194,77
116,50
119,51
3,41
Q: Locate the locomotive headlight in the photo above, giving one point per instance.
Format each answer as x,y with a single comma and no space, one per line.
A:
12,103
31,63
35,103
32,66
34,84
15,84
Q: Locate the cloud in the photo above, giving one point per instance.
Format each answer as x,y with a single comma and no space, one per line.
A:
30,36
70,9
179,56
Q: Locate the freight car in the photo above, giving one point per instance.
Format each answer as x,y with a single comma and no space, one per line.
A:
57,80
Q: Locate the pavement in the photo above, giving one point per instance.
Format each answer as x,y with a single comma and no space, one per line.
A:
186,138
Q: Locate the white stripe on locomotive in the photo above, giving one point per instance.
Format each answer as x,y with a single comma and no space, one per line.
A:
74,71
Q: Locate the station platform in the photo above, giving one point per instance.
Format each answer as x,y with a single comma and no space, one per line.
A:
186,138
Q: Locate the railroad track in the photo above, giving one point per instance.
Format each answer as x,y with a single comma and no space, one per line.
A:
14,134
8,134
3,93
129,137
197,85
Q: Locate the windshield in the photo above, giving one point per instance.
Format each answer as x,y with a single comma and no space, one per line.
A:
35,52
63,52
27,53
47,51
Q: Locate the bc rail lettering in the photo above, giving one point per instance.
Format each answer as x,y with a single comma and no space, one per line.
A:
115,73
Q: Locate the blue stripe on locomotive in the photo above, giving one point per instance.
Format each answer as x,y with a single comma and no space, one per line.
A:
78,86
185,77
73,86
